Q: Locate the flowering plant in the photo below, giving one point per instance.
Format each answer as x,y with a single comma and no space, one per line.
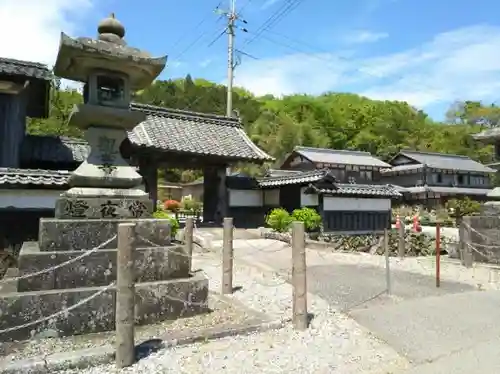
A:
172,205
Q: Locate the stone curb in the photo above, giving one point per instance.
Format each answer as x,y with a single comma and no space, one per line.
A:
85,358
310,244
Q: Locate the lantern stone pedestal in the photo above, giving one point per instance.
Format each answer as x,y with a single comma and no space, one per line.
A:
104,193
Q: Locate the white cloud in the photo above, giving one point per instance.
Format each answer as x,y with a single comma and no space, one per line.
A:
205,62
365,36
459,64
31,29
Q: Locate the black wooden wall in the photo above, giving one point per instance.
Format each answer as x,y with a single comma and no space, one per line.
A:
12,128
356,220
18,226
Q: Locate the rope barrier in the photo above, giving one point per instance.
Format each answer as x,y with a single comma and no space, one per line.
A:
62,264
61,312
479,233
489,255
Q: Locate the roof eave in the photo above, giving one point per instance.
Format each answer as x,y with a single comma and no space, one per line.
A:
218,158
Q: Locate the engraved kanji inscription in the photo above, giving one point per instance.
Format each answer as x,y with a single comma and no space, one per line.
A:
108,153
109,209
75,208
137,209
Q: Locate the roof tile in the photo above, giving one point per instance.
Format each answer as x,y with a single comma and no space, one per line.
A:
194,133
448,190
385,190
53,149
167,130
446,161
25,68
336,156
36,177
303,177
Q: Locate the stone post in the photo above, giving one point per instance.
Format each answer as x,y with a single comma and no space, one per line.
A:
125,295
299,277
227,257
188,240
467,255
387,262
401,240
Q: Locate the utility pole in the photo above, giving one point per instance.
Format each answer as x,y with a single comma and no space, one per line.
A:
231,16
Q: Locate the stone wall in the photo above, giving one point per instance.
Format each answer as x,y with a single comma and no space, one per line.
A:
416,244
480,236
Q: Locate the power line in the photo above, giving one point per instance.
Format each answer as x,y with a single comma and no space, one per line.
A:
298,41
319,53
198,38
276,17
245,5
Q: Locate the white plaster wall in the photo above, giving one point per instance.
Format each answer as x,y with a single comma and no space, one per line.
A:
245,198
307,199
356,204
29,199
272,197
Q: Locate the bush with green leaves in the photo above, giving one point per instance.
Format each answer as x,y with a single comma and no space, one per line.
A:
463,207
191,205
311,218
279,220
174,224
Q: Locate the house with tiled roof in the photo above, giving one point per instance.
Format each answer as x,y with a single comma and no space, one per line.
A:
34,170
432,178
342,185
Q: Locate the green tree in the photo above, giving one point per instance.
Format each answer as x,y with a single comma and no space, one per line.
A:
331,120
61,104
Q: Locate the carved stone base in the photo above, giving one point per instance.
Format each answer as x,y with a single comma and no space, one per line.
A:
105,205
105,166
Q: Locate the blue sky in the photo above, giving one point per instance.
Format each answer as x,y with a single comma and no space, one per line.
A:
429,53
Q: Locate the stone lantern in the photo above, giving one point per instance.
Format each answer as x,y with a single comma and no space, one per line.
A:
105,185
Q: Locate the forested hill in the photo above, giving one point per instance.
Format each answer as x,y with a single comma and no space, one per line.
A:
332,120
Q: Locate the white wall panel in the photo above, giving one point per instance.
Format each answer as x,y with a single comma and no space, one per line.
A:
245,198
272,197
355,204
308,199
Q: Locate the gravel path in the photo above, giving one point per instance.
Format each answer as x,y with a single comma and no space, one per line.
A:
223,313
334,343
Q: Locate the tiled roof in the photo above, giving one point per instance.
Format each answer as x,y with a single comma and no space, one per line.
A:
400,168
53,149
281,173
171,130
385,190
494,193
335,156
311,178
446,161
25,68
488,136
303,177
39,77
450,190
33,177
166,130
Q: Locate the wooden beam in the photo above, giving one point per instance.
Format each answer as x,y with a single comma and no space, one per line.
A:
149,171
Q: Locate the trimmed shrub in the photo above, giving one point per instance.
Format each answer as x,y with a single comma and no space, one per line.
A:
311,218
174,224
279,220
